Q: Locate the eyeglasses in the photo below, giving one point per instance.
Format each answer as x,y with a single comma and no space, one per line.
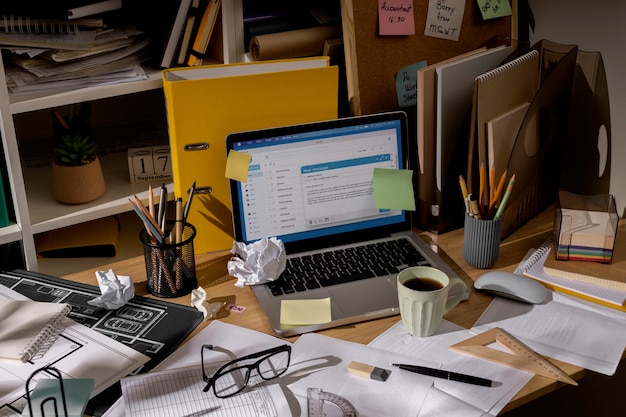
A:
233,377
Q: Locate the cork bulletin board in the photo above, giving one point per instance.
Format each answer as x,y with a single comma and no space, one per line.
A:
372,61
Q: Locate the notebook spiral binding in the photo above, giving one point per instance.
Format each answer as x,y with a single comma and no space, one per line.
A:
39,345
496,72
22,25
533,256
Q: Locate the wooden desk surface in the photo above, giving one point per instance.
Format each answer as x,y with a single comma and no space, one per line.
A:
213,277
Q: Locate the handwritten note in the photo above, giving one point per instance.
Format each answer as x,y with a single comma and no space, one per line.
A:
393,189
406,84
490,9
395,17
237,165
444,19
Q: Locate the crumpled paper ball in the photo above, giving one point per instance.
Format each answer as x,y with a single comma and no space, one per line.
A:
258,262
199,301
116,290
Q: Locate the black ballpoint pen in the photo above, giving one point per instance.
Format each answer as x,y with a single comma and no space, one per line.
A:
440,373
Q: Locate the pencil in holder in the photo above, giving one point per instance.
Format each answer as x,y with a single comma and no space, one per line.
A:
170,266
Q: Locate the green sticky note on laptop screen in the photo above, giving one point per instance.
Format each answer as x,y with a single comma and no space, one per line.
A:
393,189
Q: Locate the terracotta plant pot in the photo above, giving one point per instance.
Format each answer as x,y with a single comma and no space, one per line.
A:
79,184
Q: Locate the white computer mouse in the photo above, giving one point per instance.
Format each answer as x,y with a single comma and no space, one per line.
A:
510,285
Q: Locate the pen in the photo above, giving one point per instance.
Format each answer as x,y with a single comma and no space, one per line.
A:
505,197
162,209
192,190
440,373
178,236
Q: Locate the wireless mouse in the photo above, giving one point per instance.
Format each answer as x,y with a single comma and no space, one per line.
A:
510,285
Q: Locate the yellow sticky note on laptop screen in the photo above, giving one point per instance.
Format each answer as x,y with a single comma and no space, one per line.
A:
393,189
305,311
237,165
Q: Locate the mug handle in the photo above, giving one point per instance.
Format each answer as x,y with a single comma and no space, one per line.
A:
456,298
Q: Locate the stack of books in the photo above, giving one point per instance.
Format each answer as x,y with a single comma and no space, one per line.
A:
71,45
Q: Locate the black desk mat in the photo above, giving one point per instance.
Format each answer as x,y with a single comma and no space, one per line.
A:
153,327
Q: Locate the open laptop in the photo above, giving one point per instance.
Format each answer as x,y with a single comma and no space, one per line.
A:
311,185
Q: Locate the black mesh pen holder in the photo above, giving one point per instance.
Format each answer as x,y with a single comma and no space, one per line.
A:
170,266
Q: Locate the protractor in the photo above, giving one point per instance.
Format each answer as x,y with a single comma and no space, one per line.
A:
326,404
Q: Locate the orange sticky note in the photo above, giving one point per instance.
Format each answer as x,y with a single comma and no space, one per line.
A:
395,17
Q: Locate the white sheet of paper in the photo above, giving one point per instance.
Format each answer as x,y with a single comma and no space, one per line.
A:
177,381
564,328
322,361
436,348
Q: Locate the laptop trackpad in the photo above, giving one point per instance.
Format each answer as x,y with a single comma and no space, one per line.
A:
369,296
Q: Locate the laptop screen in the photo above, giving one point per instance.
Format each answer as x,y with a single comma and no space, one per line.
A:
311,181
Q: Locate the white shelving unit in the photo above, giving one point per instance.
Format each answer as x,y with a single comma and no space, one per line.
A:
35,209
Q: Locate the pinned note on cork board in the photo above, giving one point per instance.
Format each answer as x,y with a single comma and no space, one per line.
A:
373,59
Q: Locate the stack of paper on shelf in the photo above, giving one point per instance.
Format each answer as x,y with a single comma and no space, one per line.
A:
55,55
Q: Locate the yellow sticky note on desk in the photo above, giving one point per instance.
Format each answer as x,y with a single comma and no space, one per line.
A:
393,189
305,311
237,165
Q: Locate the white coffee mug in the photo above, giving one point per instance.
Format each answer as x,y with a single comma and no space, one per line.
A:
423,297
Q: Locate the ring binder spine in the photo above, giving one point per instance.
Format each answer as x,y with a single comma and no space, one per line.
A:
22,25
40,344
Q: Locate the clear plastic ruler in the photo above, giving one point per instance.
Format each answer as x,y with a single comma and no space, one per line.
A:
326,404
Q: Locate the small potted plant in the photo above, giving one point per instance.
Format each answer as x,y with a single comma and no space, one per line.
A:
76,171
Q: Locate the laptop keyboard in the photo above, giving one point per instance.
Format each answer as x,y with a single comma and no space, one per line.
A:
345,265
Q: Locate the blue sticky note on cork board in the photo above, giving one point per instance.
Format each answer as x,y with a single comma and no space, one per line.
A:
393,189
406,84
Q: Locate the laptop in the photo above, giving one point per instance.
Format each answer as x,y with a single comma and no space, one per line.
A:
311,185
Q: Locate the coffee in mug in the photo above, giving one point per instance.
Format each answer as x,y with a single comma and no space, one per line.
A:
425,295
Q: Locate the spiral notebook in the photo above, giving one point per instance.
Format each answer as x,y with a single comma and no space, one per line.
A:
29,327
533,267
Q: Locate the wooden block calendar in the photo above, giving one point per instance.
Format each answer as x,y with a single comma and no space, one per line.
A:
150,163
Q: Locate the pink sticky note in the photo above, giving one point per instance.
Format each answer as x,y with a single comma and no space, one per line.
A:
395,17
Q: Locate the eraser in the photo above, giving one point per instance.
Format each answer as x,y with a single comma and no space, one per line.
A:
368,371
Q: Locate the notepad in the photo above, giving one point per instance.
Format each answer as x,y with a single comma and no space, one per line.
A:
29,327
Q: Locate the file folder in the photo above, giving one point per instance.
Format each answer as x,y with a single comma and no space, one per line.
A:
206,103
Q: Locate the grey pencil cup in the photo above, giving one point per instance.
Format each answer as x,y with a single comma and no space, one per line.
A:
481,241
